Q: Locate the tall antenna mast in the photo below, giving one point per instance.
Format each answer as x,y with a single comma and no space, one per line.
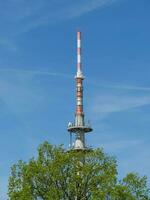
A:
79,127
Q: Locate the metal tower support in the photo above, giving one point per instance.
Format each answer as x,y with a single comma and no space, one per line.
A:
79,127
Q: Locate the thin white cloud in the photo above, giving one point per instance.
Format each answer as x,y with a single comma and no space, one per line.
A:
118,86
26,15
19,17
8,44
88,6
32,72
106,104
17,97
103,85
102,104
23,73
120,145
129,87
19,93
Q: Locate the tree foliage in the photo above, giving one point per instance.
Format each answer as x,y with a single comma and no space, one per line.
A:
59,175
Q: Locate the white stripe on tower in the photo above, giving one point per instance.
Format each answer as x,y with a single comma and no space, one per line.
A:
79,52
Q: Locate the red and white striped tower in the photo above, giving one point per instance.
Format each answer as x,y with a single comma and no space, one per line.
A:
79,127
79,85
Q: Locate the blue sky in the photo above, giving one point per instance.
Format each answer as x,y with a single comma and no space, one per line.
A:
37,68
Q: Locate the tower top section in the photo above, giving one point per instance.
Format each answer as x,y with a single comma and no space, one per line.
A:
79,58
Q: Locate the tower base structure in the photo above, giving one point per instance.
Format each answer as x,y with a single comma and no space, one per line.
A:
79,132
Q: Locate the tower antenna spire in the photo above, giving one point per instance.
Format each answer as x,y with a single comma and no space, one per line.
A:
79,63
79,127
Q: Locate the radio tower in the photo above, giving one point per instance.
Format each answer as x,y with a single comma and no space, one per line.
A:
79,128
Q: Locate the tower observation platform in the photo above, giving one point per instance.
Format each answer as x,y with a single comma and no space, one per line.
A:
79,128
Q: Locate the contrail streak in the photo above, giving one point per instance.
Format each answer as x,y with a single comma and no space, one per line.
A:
118,86
35,72
102,85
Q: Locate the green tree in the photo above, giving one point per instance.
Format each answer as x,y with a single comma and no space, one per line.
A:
59,175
